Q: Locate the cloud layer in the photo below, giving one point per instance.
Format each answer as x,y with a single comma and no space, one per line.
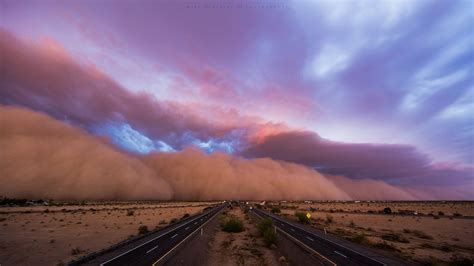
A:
402,164
43,157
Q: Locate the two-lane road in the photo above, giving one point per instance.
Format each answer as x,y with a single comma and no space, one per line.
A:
332,253
154,250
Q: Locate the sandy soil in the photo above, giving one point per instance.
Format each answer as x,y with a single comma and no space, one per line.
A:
423,239
244,248
34,236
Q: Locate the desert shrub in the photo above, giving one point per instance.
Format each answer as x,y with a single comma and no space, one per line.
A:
174,220
232,225
266,228
246,210
421,234
460,261
406,231
384,245
352,224
3,219
76,251
395,238
427,245
186,215
387,210
457,214
142,229
162,222
446,248
312,209
8,201
302,218
440,213
329,219
130,212
360,238
276,209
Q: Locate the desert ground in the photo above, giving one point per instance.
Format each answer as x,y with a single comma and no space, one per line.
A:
439,233
55,235
435,233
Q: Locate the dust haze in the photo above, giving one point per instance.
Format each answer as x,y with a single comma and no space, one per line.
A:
45,158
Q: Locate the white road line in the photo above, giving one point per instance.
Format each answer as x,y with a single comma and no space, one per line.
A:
175,235
201,219
192,233
195,222
151,249
164,233
186,228
317,236
338,253
292,229
309,238
301,243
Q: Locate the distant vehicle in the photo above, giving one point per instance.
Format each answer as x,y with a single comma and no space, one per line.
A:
250,207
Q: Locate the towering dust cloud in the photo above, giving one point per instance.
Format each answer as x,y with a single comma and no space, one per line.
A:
45,158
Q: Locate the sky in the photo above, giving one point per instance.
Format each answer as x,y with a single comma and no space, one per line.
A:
366,90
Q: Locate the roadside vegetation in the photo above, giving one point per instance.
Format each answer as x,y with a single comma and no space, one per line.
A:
266,229
231,224
302,218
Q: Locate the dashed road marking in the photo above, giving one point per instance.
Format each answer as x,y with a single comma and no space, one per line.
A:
175,235
309,238
338,253
151,249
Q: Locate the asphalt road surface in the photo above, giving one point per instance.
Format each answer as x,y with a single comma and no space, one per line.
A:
331,253
157,248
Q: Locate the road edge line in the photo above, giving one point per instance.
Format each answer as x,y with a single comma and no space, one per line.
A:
301,243
153,239
167,253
